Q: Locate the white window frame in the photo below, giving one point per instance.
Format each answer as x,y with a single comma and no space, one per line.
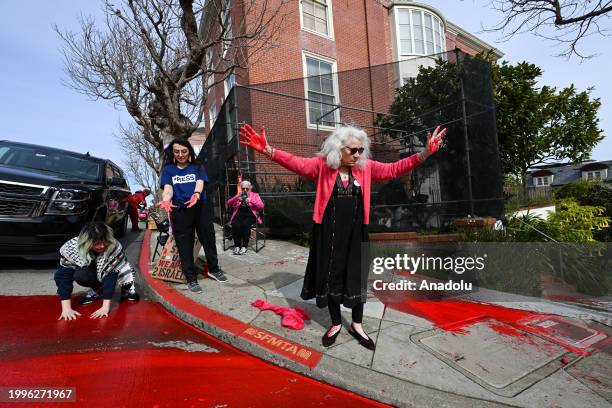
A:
226,88
210,66
229,34
435,17
330,20
306,54
543,181
595,174
212,113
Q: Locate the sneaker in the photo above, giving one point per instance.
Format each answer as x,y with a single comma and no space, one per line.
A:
236,250
194,287
130,294
218,275
243,250
89,297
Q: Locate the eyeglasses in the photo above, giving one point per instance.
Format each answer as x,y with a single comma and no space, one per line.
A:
354,150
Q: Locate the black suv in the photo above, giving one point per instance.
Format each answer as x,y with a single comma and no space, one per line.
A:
47,195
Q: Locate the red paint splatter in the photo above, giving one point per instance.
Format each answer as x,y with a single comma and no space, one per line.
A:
131,358
505,329
458,316
591,379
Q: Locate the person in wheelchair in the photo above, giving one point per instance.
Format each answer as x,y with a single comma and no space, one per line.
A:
245,210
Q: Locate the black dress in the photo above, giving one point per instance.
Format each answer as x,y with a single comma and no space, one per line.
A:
334,263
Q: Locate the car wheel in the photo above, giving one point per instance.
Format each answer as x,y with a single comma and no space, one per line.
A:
123,228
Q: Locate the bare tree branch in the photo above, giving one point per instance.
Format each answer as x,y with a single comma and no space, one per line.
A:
150,57
141,157
565,22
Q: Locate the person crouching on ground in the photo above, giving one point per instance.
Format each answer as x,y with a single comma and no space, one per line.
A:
94,259
245,207
343,174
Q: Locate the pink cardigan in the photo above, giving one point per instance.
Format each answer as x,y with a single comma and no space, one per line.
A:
316,169
255,204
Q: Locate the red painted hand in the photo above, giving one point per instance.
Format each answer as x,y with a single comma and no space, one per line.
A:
166,205
434,140
253,139
192,201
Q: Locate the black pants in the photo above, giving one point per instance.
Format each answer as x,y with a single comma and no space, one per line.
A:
336,317
185,223
241,227
87,277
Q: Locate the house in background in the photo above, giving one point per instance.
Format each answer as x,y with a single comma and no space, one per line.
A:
553,175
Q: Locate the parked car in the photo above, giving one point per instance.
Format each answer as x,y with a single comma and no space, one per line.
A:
48,194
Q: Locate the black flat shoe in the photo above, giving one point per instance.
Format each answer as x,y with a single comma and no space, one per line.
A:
329,340
367,343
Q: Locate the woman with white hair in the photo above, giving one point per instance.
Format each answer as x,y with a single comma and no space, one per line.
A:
245,207
343,173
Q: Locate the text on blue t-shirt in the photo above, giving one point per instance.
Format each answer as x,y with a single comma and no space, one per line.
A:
183,181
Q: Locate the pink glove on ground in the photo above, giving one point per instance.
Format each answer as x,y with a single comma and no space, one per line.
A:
292,317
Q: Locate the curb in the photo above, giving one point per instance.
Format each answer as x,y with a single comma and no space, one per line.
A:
330,370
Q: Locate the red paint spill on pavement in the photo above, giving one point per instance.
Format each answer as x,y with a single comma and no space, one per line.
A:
458,316
455,316
138,357
505,329
288,349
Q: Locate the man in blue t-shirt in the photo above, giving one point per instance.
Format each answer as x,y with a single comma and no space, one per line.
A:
182,180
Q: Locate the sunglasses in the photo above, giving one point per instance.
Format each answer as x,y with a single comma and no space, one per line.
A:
354,150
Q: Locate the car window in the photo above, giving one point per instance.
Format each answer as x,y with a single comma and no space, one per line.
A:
109,172
43,159
115,172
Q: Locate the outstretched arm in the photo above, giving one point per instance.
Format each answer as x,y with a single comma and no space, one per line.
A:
388,171
305,167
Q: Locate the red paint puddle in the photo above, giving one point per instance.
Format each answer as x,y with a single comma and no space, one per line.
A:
137,357
457,316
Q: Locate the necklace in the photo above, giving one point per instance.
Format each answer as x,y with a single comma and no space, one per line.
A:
344,176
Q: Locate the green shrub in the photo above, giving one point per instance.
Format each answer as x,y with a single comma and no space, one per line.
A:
590,193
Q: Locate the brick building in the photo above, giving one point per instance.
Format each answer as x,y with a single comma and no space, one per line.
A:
322,37
337,61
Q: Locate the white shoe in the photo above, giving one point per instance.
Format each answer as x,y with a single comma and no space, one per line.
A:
243,250
236,250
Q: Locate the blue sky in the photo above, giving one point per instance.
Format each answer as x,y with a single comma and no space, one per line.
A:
35,107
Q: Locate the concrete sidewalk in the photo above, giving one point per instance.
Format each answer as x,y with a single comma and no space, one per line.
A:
415,363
